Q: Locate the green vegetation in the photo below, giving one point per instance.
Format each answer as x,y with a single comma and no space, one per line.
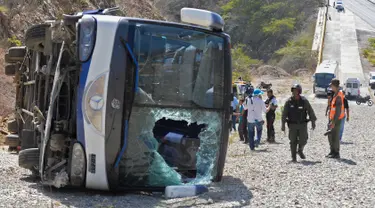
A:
279,32
3,9
296,53
266,26
242,63
369,52
13,41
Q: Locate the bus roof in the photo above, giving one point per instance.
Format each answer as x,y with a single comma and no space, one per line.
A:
327,66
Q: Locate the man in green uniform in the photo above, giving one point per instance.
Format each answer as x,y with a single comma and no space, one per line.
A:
336,114
295,114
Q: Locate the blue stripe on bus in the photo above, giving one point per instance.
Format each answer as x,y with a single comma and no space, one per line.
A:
136,66
81,89
124,145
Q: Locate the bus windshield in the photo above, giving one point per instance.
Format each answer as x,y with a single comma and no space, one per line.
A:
180,67
323,79
175,128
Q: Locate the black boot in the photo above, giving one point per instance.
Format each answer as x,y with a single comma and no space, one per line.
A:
330,154
293,149
334,155
300,152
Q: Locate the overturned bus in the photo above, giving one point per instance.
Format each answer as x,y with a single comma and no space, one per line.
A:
109,102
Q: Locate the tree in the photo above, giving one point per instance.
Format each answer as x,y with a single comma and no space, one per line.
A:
242,63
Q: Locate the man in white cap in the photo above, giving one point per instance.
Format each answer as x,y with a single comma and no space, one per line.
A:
255,107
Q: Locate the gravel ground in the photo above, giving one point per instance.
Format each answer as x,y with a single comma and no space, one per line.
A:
264,178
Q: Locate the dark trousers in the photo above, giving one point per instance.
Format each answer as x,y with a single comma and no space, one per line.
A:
251,128
234,118
298,137
242,131
334,138
270,118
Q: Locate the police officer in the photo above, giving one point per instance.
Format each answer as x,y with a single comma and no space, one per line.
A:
295,114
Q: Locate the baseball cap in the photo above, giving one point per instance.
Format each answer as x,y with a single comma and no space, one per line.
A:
257,92
335,82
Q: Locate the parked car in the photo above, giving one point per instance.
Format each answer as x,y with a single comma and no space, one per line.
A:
340,6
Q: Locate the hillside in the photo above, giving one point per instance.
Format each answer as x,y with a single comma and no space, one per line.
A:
17,15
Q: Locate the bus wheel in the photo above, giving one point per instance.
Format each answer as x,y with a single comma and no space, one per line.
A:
12,140
29,159
12,126
15,54
35,37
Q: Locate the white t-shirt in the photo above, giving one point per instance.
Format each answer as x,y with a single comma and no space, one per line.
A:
254,109
273,102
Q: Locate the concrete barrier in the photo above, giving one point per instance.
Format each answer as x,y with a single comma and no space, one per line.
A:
318,42
371,93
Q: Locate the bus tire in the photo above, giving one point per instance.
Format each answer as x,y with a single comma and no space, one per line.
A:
29,158
35,37
28,139
10,70
12,126
15,54
12,140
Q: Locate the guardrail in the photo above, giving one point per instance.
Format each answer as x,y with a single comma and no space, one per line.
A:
319,35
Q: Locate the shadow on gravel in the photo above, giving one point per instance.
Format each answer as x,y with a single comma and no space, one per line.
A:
261,150
346,143
308,163
82,198
347,161
230,189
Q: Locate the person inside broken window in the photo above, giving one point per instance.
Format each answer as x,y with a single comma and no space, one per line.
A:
271,105
296,110
255,108
234,105
336,115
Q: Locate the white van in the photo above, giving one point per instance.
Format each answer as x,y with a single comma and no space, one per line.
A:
352,87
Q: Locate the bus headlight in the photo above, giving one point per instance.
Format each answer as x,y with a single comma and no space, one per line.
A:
78,165
94,102
87,33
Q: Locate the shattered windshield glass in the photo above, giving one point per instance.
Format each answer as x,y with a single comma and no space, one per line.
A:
176,123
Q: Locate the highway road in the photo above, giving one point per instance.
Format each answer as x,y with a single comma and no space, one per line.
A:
363,9
341,42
